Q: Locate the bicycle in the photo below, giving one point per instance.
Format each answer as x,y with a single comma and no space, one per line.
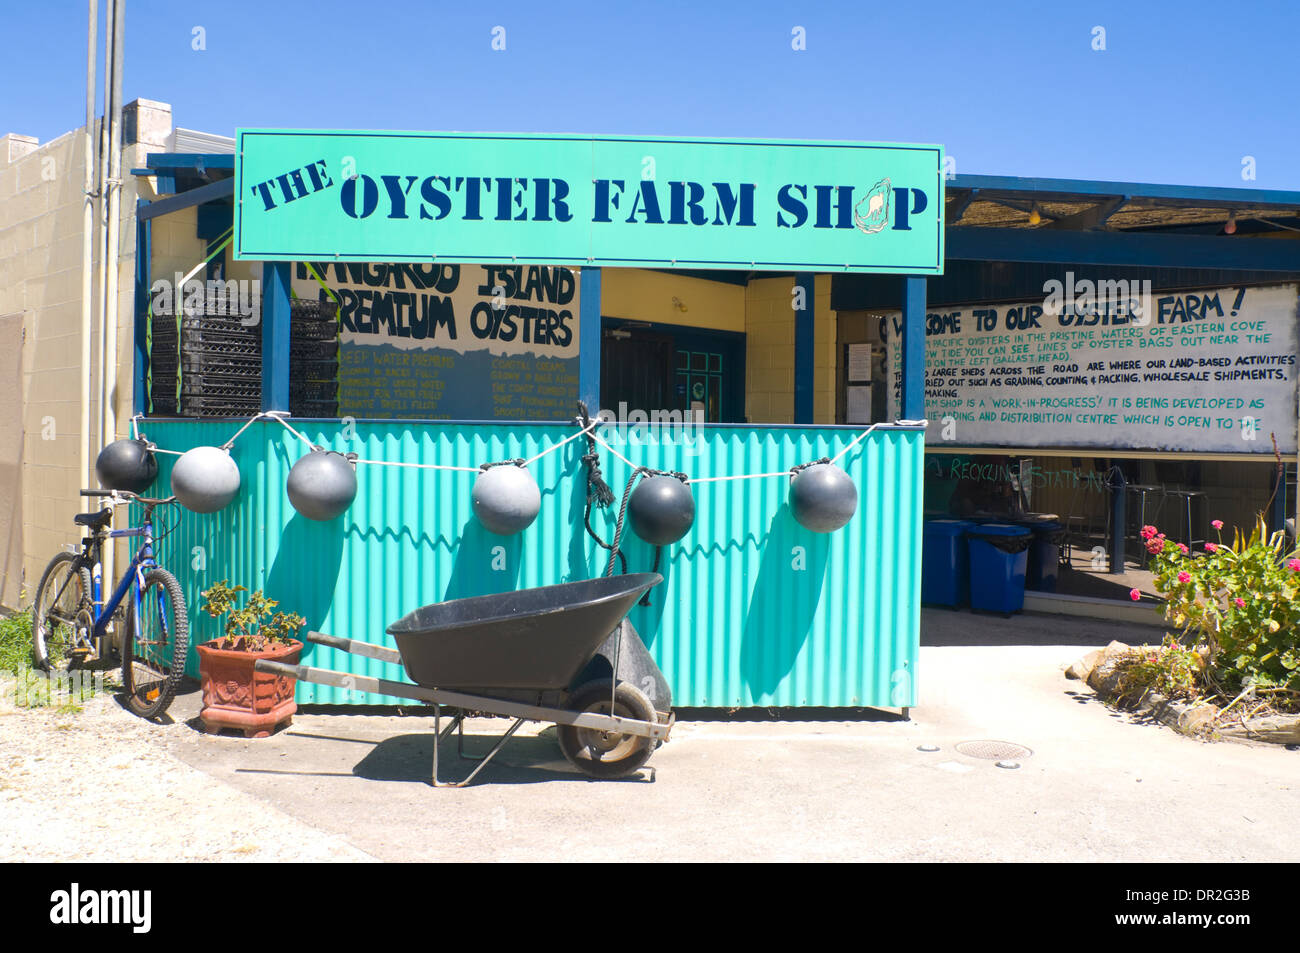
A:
70,617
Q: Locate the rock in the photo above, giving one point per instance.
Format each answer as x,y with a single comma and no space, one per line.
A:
1197,719
1083,667
1116,648
1104,680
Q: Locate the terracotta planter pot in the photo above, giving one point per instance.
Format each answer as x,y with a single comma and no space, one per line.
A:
235,696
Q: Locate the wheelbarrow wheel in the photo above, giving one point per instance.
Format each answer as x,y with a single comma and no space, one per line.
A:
602,754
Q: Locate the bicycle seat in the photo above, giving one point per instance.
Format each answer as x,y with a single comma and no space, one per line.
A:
96,520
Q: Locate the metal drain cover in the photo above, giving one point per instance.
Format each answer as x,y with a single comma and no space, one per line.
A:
993,750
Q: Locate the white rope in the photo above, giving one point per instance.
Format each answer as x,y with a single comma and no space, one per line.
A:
589,430
251,420
585,430
854,442
285,424
597,437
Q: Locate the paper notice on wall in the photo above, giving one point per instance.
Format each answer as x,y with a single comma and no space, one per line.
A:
858,409
1211,371
859,362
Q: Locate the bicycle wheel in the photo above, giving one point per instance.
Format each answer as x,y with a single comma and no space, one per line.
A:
62,604
153,653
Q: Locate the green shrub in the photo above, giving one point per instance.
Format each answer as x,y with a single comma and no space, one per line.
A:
1172,669
254,628
1240,601
16,642
27,687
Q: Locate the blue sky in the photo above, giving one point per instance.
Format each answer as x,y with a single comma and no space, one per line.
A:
1180,94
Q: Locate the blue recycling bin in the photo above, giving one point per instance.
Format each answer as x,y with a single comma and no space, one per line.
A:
1045,550
999,555
1044,556
945,575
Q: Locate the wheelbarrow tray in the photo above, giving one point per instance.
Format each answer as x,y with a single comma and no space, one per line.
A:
538,639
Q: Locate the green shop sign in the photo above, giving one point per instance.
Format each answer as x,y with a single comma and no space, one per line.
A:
307,195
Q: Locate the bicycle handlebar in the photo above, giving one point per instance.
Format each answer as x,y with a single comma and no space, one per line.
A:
115,494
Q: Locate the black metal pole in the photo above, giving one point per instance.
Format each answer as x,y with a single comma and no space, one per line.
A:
1118,498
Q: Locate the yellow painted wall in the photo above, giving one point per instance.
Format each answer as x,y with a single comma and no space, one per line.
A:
769,351
639,295
769,355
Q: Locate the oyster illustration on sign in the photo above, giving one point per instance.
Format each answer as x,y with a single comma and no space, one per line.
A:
871,214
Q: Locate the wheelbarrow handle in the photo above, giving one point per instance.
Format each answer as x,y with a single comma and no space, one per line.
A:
658,729
355,647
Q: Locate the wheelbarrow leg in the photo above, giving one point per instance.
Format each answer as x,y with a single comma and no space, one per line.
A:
482,762
440,735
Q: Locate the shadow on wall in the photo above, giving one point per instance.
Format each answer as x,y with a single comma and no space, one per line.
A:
579,540
647,614
306,568
784,601
485,563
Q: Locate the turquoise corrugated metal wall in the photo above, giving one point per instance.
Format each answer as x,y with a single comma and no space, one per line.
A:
755,610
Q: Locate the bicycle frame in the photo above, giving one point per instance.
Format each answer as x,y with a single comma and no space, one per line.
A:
132,577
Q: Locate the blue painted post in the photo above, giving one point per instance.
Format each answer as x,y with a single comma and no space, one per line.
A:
275,335
805,365
143,256
913,397
1118,517
589,338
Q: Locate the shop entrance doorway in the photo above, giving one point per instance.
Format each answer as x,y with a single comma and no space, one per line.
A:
653,367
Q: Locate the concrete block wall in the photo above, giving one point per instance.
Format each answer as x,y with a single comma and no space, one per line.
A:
40,281
41,222
769,352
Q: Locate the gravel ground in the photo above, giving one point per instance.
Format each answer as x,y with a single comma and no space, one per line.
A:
96,785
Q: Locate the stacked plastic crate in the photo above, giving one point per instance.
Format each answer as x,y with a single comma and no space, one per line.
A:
206,364
314,358
221,362
164,365
213,361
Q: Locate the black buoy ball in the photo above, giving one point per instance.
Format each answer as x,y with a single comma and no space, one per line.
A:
126,465
506,499
662,510
205,479
823,497
322,485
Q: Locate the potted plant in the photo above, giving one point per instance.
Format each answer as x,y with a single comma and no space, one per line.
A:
234,695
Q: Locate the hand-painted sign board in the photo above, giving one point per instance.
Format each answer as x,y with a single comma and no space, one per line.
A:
450,341
1213,371
306,195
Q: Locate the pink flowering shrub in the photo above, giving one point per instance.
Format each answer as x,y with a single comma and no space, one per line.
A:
1241,602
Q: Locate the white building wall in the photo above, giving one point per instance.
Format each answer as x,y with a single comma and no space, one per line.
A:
41,215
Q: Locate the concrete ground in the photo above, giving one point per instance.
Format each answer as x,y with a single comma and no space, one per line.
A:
1097,787
1089,575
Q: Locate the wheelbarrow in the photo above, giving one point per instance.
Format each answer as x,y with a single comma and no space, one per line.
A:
562,654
